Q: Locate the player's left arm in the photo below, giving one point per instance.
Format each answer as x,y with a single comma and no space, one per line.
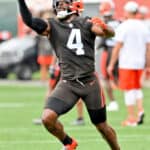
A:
101,29
114,57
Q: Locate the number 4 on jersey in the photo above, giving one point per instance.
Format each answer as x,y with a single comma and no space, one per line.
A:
74,42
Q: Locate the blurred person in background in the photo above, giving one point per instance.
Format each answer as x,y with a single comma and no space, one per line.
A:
23,29
77,65
143,12
132,48
106,10
54,77
80,113
45,50
5,35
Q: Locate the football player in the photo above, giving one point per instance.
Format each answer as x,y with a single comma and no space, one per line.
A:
72,38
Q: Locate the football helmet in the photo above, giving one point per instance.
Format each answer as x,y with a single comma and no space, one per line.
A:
106,9
77,5
69,7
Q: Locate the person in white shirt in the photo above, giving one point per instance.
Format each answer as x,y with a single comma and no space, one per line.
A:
133,51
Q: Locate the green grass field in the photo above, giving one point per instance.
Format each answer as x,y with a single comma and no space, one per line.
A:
19,105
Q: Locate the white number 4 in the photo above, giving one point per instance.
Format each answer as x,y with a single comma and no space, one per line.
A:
75,42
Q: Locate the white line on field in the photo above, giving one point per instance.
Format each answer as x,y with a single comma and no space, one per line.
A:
18,83
71,128
11,105
85,140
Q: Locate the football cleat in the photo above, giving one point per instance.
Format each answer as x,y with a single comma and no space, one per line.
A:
71,146
141,118
78,122
37,121
131,123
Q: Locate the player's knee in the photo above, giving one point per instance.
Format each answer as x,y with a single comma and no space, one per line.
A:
105,129
101,126
130,97
49,118
139,94
98,116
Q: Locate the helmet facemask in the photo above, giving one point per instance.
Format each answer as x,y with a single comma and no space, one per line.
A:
61,8
64,8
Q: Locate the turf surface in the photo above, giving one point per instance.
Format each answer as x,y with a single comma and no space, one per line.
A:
19,105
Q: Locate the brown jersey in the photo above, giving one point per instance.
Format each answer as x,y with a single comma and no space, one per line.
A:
73,43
